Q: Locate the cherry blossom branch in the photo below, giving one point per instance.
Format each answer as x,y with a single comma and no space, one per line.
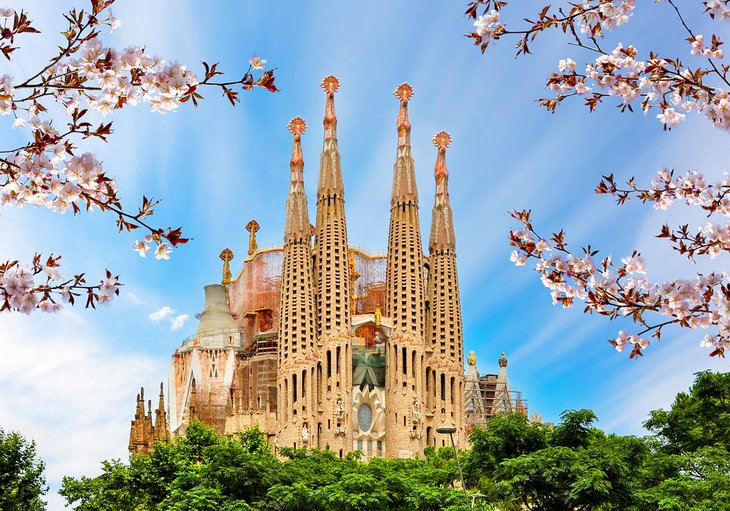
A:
616,291
712,239
83,77
19,290
693,38
659,82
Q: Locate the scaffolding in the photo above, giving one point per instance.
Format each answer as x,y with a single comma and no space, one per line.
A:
254,295
492,398
370,282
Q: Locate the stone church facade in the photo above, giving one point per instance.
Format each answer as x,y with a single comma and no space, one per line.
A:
321,343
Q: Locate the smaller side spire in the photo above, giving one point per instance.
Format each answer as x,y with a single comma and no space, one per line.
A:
161,432
252,227
441,140
330,84
226,255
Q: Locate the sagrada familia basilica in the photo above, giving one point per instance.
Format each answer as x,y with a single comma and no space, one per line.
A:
325,345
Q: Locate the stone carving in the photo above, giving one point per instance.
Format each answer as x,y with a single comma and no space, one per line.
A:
416,411
305,433
339,409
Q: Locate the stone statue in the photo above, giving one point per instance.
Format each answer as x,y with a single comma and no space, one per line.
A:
416,410
339,409
305,433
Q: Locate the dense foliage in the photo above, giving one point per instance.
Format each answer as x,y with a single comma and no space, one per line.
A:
209,472
21,475
514,463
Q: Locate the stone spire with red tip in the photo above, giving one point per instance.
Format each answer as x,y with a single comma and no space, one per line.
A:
404,289
445,327
297,318
442,225
332,272
332,288
405,250
297,225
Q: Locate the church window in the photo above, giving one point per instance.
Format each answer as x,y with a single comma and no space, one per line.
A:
294,388
364,417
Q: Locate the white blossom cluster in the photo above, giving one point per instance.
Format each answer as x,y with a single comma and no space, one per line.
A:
162,251
621,75
699,48
608,15
487,24
718,9
693,189
6,94
604,287
154,81
19,289
49,180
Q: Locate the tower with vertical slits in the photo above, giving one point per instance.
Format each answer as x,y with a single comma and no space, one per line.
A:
332,274
297,316
445,369
405,295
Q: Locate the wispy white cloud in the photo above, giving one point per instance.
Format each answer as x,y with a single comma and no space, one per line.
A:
132,297
178,322
70,391
162,313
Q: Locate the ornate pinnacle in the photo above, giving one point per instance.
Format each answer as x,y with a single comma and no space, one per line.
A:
226,255
503,360
297,126
330,85
472,360
252,227
442,140
404,92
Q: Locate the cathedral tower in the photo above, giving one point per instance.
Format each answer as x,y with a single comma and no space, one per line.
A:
405,295
445,374
332,274
297,321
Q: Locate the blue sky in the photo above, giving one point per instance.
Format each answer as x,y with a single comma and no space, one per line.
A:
69,379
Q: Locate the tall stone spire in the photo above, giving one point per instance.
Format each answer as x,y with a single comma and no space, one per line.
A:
332,273
404,289
332,277
404,277
443,292
444,316
297,318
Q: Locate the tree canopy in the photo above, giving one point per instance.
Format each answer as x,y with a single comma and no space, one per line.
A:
22,483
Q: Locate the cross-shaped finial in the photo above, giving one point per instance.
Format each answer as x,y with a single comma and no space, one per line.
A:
226,255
